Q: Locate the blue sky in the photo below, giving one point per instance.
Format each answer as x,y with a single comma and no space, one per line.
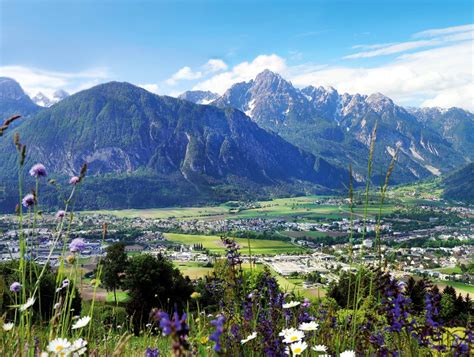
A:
166,46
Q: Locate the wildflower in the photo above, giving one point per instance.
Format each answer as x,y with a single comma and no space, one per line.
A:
38,170
28,200
298,348
151,352
218,323
29,303
249,338
293,335
291,304
79,347
8,326
77,245
319,348
74,180
204,340
177,328
308,326
60,214
65,283
56,306
195,295
306,303
70,259
348,353
83,321
15,287
59,346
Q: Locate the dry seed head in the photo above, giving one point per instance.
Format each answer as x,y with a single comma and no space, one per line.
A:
23,155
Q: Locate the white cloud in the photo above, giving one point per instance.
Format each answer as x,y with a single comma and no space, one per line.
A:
432,76
185,73
391,49
436,37
151,87
445,31
215,65
437,72
34,80
242,72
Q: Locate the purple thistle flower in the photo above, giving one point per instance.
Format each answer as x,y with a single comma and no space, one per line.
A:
28,200
152,352
60,214
74,180
77,245
38,170
15,287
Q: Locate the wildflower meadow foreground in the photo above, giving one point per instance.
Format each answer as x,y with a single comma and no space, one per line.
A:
232,312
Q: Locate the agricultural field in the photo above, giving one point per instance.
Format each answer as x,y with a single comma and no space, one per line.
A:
461,288
257,246
299,208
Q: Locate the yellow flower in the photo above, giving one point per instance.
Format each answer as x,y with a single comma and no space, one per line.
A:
71,259
195,295
204,340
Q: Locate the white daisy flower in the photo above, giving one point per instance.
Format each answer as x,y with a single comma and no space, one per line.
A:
308,326
249,338
298,348
286,331
29,303
56,306
8,326
83,321
348,353
293,336
319,348
291,304
78,347
59,346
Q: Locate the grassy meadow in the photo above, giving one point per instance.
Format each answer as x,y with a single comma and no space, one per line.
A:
294,208
215,245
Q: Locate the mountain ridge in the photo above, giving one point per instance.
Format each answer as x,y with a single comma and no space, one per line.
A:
121,129
317,118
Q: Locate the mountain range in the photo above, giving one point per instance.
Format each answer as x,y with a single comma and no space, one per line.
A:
173,151
260,138
338,127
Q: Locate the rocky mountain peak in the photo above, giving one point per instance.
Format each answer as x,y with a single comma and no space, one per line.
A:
42,100
199,96
10,89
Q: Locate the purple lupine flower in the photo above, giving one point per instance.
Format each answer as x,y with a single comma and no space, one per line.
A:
28,200
165,322
176,327
77,245
74,180
38,170
152,352
232,251
218,323
60,214
15,287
